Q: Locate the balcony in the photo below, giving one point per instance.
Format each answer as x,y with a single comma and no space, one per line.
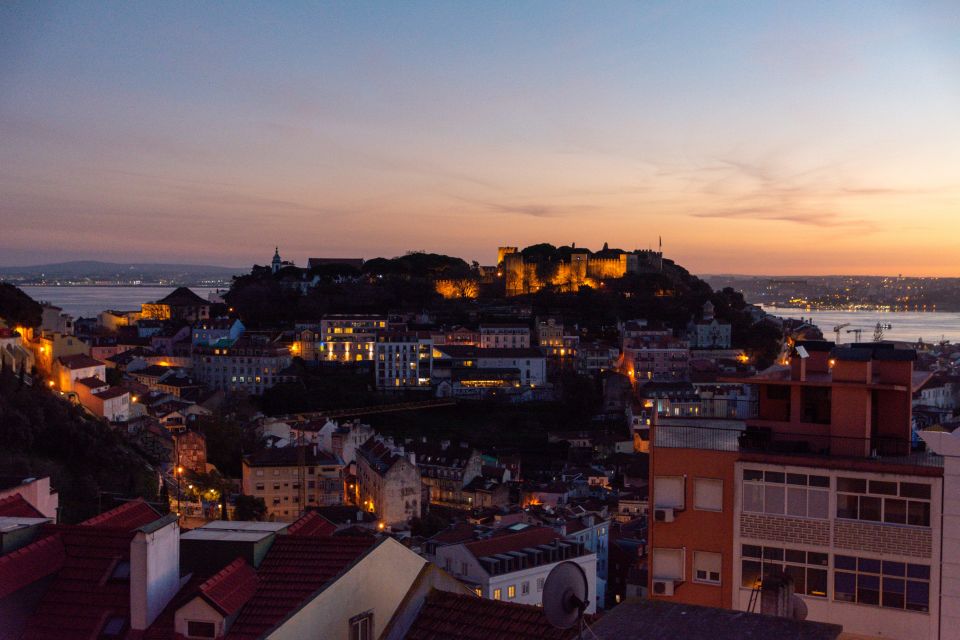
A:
742,439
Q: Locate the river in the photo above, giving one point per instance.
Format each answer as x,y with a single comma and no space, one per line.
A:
908,326
87,302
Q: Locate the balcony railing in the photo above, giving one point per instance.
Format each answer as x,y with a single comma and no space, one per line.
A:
760,440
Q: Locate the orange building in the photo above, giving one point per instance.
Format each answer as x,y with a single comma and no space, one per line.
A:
824,485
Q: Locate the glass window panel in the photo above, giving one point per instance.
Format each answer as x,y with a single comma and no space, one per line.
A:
753,497
918,596
774,476
750,573
868,565
918,571
884,488
772,569
797,502
894,568
752,474
894,511
918,513
772,553
797,478
799,578
915,490
870,508
852,485
774,499
818,504
799,557
751,551
845,562
893,589
820,481
847,506
868,589
817,582
821,559
844,586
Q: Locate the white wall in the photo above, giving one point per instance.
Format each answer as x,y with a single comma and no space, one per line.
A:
154,573
378,582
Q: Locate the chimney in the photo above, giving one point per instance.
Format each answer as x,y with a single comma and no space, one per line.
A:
154,570
776,596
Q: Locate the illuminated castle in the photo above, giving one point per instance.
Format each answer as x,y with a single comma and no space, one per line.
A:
579,267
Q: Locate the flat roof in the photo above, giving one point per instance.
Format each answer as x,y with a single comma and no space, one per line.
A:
12,523
244,525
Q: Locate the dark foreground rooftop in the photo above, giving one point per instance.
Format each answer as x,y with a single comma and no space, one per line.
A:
658,620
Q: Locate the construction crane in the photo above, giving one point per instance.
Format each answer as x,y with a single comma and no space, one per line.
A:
837,329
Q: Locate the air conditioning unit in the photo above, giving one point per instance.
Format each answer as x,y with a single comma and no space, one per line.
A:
663,514
663,587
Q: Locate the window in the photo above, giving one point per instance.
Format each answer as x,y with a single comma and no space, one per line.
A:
540,584
882,583
197,629
807,568
706,567
496,594
361,626
524,588
880,501
708,494
668,564
478,591
464,568
512,591
793,494
668,491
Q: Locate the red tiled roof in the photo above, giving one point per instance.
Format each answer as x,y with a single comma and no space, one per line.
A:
82,597
456,616
30,563
312,524
295,568
128,516
79,361
16,506
93,382
460,532
231,588
512,541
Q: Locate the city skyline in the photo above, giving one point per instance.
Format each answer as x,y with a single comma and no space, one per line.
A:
754,139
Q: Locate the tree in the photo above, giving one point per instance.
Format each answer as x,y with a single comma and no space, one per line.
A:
17,308
250,508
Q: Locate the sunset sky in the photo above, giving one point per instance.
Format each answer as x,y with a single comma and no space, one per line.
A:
767,138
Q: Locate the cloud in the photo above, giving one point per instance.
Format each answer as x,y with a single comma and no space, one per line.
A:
811,218
533,210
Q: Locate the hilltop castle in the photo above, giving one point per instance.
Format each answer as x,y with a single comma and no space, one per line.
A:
577,267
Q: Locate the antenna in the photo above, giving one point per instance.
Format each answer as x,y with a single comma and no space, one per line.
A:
565,595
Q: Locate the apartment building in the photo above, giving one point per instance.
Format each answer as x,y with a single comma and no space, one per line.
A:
404,361
246,365
446,469
290,479
504,336
388,481
513,563
823,486
342,338
657,356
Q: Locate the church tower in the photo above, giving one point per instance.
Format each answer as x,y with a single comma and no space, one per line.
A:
275,265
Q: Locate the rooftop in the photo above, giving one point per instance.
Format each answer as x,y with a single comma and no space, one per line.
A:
79,361
659,620
16,506
290,456
456,616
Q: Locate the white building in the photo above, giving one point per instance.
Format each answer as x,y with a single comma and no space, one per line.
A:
404,361
710,333
513,565
504,336
69,369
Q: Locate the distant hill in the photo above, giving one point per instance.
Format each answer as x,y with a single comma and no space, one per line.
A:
121,270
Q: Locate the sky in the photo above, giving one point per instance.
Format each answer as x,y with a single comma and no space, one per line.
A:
765,138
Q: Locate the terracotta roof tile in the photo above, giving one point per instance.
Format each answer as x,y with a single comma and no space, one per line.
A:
16,506
455,616
30,563
295,568
79,361
231,588
312,524
128,516
512,541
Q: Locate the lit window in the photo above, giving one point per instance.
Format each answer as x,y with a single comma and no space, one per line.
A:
512,591
496,594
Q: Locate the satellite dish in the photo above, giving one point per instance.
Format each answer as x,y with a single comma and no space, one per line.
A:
798,608
565,595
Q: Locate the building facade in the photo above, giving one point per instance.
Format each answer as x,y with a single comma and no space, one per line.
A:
290,479
244,366
388,482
